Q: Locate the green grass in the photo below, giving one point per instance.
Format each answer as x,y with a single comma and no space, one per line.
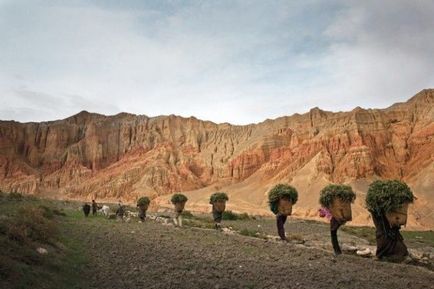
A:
187,214
199,222
27,223
423,237
206,221
368,233
251,233
231,216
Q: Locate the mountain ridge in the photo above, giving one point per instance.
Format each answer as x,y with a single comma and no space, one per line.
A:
125,156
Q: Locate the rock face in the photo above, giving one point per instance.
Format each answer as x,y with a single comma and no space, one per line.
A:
125,156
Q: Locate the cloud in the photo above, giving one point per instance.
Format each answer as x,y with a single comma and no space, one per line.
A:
226,61
380,51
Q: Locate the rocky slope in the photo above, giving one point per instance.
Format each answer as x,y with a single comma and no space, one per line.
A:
125,156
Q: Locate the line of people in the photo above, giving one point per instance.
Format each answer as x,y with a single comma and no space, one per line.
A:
387,202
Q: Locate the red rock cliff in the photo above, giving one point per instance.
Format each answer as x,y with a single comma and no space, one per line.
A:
124,156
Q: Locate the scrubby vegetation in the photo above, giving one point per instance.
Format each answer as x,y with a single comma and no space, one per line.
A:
330,192
15,196
178,198
218,196
250,233
387,196
187,214
26,226
281,191
31,224
412,237
231,216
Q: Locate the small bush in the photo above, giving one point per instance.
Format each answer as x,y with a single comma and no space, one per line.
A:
143,201
387,196
31,224
187,214
15,196
218,196
49,213
178,198
60,212
281,191
243,216
250,233
295,237
231,216
330,192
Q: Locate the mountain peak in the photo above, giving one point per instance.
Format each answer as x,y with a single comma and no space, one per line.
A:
424,96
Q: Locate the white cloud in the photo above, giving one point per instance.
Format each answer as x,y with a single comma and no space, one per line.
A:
231,61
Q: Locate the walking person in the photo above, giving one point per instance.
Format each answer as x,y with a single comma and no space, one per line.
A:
94,207
120,211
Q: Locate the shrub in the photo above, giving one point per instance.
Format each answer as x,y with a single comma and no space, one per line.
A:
143,201
218,196
387,196
231,216
31,224
281,191
49,213
15,196
187,214
178,198
295,237
330,192
250,233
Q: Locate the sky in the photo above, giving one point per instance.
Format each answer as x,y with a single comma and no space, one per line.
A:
226,61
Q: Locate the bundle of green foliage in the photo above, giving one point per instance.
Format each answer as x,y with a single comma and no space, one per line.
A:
281,191
178,198
143,201
387,196
219,196
330,192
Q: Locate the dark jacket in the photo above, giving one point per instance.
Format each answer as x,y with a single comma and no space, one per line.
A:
390,242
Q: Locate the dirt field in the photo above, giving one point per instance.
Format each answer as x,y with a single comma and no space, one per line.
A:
95,252
153,255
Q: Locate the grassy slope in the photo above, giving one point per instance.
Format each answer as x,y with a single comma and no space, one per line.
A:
412,238
21,266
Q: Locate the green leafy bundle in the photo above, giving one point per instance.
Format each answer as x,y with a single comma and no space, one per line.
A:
143,201
178,198
219,196
281,191
387,196
330,192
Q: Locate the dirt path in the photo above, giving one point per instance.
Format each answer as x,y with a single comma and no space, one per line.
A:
151,255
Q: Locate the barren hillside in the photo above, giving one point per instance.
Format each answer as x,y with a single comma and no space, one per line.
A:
125,156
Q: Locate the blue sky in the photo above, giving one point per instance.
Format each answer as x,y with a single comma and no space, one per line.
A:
225,61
